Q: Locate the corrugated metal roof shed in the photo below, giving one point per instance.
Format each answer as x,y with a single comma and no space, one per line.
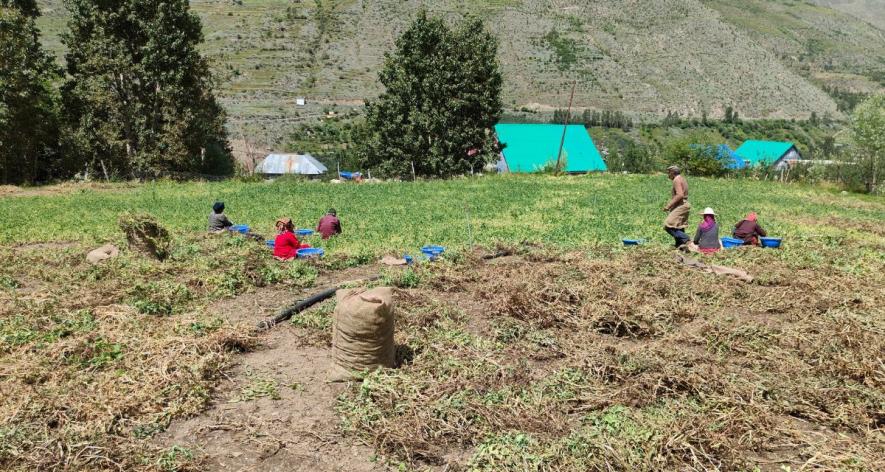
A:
301,164
763,152
532,147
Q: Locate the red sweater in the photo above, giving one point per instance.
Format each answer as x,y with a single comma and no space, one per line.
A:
286,245
329,226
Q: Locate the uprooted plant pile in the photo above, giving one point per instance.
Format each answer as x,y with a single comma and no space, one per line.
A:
99,358
628,361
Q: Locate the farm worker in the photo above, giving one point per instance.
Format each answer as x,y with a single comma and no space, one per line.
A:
748,230
218,221
707,235
677,208
329,224
286,244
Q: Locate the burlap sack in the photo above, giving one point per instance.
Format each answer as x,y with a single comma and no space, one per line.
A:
362,329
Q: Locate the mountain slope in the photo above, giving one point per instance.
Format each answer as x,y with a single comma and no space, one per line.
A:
872,11
765,58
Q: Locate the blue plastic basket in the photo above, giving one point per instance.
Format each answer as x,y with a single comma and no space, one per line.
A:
271,243
303,232
633,242
310,253
729,243
433,250
240,228
771,242
409,259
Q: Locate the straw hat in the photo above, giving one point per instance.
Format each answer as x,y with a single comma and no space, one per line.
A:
708,211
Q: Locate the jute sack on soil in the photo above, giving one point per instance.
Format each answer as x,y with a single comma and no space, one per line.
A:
362,329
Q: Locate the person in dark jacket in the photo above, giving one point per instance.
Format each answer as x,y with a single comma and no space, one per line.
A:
329,224
707,235
749,231
218,221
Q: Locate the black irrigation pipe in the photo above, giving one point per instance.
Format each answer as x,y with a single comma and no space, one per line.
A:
288,312
301,305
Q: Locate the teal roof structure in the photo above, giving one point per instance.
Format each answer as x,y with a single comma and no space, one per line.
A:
533,147
763,152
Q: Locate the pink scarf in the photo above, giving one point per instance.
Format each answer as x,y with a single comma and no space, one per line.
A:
708,222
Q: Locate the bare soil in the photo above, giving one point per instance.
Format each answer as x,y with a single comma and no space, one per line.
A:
296,431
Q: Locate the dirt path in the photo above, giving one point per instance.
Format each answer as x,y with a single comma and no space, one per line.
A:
275,412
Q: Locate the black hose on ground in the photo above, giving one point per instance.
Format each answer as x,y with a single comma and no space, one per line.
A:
302,305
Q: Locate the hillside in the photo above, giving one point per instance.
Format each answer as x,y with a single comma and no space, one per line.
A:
872,11
766,58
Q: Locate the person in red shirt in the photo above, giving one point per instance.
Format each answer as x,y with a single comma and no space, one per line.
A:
749,231
286,244
329,224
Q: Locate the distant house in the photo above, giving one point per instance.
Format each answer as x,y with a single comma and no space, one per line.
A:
300,101
295,164
723,153
533,147
777,154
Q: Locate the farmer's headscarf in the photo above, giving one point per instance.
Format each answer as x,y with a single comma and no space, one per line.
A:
218,207
709,221
285,223
751,216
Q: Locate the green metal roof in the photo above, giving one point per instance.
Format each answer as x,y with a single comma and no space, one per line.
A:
767,152
532,147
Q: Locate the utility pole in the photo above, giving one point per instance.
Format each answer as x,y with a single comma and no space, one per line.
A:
565,127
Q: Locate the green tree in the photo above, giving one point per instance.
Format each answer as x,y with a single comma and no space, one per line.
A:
442,97
868,132
695,157
28,112
139,99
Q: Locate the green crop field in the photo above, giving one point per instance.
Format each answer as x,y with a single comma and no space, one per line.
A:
571,352
565,211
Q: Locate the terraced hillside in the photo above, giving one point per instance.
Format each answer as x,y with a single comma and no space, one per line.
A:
765,58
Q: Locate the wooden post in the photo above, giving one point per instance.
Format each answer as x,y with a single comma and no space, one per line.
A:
414,178
568,115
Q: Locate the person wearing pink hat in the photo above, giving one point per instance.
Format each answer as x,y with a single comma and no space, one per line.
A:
749,231
707,235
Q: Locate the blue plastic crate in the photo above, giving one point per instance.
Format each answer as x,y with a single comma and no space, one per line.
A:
311,253
271,243
433,250
303,232
240,228
729,243
633,242
771,242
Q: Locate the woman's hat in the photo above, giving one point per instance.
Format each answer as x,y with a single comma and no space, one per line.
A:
708,211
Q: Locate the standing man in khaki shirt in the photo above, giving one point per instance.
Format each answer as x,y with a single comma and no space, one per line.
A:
678,207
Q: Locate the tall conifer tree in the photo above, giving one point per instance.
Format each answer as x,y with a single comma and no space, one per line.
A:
139,97
28,124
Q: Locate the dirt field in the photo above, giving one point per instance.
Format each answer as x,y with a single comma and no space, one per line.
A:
580,356
571,361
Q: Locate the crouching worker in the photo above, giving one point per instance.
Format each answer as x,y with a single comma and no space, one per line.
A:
749,231
677,208
286,244
707,235
218,221
329,224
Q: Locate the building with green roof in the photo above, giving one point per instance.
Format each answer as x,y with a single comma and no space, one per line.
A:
774,153
530,148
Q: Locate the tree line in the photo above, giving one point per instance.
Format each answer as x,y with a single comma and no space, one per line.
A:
135,99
